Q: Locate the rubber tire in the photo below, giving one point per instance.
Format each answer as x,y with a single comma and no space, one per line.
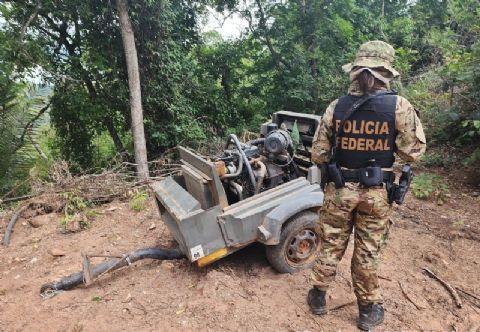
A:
276,254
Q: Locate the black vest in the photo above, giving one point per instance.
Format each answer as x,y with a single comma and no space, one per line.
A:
369,132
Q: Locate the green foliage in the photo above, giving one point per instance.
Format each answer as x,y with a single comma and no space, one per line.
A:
295,136
103,150
197,87
437,159
458,48
426,93
73,206
97,298
427,185
20,125
472,128
474,158
139,201
74,203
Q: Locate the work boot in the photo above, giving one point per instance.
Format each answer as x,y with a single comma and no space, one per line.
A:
316,301
370,315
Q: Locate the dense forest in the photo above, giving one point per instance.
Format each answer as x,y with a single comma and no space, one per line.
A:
64,91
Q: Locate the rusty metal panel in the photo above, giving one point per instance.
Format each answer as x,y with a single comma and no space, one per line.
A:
208,171
176,200
196,230
196,161
198,186
202,233
173,226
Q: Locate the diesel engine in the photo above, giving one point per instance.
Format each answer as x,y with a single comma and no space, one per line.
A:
280,154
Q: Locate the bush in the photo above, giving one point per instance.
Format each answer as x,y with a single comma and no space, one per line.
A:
139,201
74,206
426,93
474,158
427,185
437,159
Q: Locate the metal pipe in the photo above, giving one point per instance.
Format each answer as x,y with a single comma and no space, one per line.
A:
237,172
234,138
261,176
238,188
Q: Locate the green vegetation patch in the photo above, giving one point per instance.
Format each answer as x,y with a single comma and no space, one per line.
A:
77,213
430,186
139,201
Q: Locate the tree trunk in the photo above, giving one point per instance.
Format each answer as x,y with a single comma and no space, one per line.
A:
136,110
114,135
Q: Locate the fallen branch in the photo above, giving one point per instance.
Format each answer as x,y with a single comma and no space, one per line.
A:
467,293
445,284
418,306
78,278
384,278
91,188
11,224
473,299
16,199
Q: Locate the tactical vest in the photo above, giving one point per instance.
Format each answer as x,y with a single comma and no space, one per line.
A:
369,132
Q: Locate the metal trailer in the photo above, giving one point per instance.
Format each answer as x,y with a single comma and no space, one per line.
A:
195,209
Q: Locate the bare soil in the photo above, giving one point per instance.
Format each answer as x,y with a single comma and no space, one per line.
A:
240,292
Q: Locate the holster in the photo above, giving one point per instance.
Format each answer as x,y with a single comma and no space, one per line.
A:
335,175
403,184
391,190
397,192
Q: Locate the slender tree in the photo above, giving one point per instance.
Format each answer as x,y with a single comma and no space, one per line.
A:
136,110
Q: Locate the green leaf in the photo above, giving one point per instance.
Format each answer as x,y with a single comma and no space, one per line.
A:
295,135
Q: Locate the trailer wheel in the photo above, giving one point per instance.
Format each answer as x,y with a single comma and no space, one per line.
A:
299,244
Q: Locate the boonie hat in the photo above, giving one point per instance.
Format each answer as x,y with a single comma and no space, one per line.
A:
374,54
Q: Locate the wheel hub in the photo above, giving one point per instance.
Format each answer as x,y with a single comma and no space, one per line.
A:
302,245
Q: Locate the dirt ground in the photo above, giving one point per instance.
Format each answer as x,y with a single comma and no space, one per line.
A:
241,292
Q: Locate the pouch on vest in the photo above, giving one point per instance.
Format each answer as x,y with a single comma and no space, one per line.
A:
370,176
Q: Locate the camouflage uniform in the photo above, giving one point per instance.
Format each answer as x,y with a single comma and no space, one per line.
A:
365,210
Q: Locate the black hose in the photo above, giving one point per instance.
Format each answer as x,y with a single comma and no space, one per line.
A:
11,224
76,279
234,138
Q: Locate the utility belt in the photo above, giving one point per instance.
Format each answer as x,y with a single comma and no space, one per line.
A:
372,176
368,176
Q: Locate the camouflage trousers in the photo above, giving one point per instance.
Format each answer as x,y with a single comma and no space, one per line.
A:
365,212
